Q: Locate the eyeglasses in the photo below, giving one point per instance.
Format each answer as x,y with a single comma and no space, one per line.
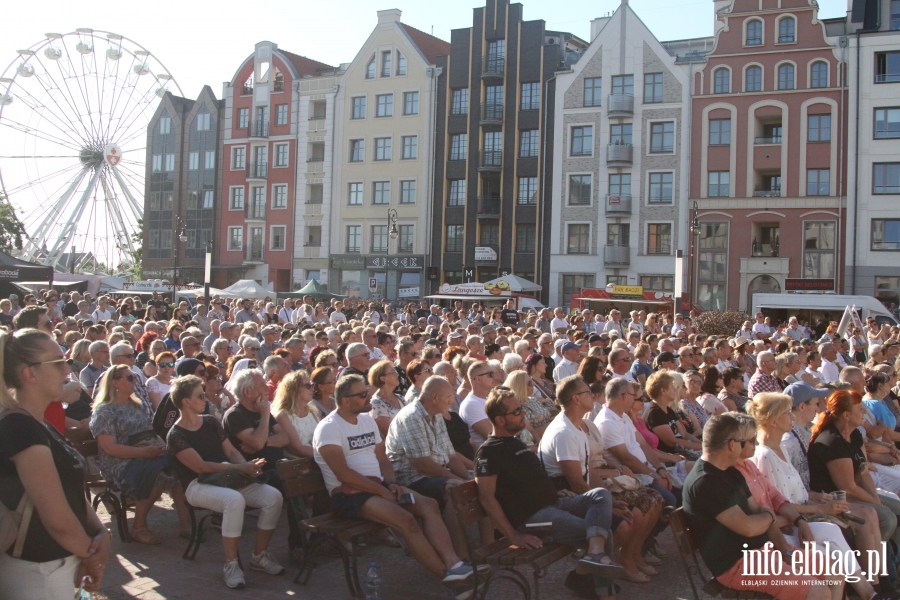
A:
491,373
744,442
514,413
126,355
129,378
308,386
328,382
357,395
165,365
55,361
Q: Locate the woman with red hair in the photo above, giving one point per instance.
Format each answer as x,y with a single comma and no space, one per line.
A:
837,460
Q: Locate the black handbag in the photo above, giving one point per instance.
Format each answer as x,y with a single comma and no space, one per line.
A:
231,478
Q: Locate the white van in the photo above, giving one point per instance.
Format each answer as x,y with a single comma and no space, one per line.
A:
814,306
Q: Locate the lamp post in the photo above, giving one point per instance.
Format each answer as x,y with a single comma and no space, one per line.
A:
393,234
180,234
207,276
694,251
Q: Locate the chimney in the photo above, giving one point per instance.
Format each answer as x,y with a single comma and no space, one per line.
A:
392,15
597,25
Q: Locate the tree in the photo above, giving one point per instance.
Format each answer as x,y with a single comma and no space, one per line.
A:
720,322
11,229
131,265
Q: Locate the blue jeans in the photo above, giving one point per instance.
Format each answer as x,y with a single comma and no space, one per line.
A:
579,518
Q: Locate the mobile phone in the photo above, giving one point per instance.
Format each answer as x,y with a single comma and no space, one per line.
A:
407,499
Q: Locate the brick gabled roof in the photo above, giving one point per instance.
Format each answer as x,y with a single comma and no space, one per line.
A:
305,66
429,45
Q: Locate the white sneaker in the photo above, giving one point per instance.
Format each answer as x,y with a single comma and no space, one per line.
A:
234,577
266,562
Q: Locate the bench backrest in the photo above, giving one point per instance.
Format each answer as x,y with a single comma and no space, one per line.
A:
300,477
78,434
465,502
682,532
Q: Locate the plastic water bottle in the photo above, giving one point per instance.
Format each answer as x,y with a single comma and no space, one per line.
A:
373,583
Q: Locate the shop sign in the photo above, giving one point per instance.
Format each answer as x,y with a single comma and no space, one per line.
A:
408,292
808,285
395,262
348,261
485,253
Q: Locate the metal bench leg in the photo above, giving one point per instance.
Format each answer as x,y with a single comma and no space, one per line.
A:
309,560
353,574
194,534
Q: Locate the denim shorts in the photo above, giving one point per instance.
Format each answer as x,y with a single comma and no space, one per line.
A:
347,506
431,487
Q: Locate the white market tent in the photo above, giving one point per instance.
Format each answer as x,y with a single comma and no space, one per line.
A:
514,284
247,288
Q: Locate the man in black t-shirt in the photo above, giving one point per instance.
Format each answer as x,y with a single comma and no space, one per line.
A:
422,312
725,520
515,491
509,315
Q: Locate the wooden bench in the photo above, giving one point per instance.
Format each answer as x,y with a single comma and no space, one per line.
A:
687,550
501,555
104,490
302,479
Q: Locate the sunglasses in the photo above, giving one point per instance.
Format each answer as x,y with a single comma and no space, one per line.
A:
491,373
55,361
129,378
743,442
357,395
166,364
514,413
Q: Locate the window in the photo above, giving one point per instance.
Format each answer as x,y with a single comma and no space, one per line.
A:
527,191
887,123
573,284
359,107
453,277
407,192
579,190
458,146
754,79
357,150
386,64
719,184
207,199
157,163
819,129
401,63
410,147
407,240
592,91
370,69
354,238
818,74
887,67
886,178
237,198
168,200
277,237
456,192
165,125
313,235
528,143
154,200
383,148
239,158
454,239
623,84
885,234
281,114
661,188
381,192
243,118
531,96
754,33
721,81
895,15
411,103
620,184
279,196
719,132
712,265
379,241
818,182
582,140
459,104
209,159
578,237
203,122
193,199
786,30
786,77
489,232
525,237
166,239
496,54
620,134
818,249
355,195
658,283
154,239
235,238
384,105
653,87
170,162
659,238
316,194
194,161
281,155
662,137
618,234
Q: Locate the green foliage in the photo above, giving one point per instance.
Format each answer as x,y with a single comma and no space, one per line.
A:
11,230
720,322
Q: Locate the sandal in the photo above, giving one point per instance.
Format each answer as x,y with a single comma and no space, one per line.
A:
635,577
648,570
602,565
144,536
651,559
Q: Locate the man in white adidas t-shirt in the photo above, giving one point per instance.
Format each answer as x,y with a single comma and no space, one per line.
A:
361,480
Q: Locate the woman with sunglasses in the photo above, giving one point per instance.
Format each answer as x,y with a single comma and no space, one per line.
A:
536,367
385,403
173,332
292,412
323,380
216,394
117,421
418,372
65,540
158,385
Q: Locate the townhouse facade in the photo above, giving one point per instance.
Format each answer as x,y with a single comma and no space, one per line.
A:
383,167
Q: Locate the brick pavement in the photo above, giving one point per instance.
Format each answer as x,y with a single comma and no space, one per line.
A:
158,572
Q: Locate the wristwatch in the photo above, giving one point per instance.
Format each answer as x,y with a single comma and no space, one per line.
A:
798,519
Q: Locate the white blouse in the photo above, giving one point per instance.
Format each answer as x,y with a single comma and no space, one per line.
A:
780,474
305,427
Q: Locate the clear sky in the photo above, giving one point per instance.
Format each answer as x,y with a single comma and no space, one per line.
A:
205,42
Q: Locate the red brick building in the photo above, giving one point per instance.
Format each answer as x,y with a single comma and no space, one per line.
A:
768,160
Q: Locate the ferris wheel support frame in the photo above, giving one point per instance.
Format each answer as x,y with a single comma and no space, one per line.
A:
68,230
32,249
122,239
134,203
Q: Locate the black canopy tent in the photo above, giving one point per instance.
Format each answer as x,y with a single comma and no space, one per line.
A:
14,270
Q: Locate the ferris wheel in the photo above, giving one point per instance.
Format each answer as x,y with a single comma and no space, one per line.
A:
74,110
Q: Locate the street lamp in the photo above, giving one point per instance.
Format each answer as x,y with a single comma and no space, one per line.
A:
207,275
180,234
694,251
393,234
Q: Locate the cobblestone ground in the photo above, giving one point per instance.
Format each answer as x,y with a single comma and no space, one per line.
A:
156,572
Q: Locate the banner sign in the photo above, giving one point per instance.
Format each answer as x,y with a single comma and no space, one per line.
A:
808,285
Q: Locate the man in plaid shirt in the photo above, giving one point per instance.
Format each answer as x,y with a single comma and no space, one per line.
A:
424,460
762,380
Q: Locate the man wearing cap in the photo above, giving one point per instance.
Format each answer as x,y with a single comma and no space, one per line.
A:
665,360
456,340
571,358
489,334
805,406
270,343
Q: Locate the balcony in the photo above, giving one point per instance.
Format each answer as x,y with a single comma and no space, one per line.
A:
620,104
616,255
488,207
255,211
491,113
257,170
259,129
767,140
315,167
767,193
255,253
316,125
618,204
311,251
492,66
619,154
490,160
